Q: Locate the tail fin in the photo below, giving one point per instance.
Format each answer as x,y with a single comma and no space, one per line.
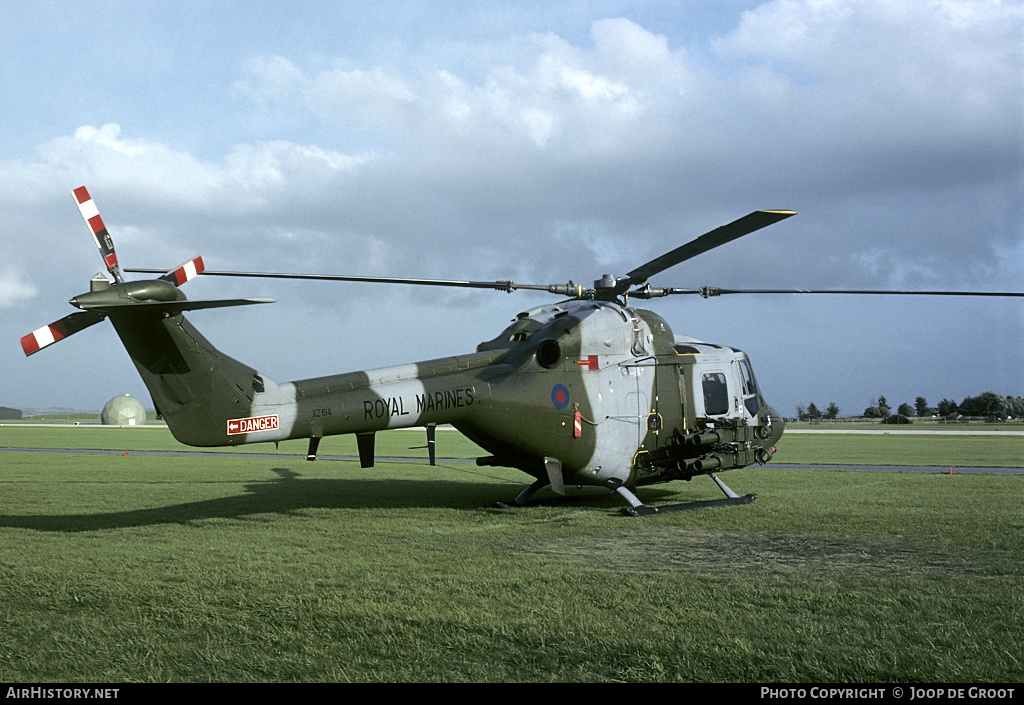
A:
194,386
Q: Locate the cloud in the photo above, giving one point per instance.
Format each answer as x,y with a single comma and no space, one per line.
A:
627,136
801,103
547,94
14,289
907,72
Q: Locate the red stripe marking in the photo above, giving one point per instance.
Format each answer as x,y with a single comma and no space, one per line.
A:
81,195
29,344
181,274
96,224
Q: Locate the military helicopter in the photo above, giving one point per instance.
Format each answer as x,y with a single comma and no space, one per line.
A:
586,391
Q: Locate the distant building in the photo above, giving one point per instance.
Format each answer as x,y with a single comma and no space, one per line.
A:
123,411
9,414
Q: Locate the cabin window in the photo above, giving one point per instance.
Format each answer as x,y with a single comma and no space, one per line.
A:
716,393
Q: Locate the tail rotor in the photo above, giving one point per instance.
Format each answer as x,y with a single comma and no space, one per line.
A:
159,296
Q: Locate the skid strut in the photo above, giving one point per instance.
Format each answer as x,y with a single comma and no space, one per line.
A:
520,500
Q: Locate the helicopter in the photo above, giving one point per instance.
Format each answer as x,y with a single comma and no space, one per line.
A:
584,391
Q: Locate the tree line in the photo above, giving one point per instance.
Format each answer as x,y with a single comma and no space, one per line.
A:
989,405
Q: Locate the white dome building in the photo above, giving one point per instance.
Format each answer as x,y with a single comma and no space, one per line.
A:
123,411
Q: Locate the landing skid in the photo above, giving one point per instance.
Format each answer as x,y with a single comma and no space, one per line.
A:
637,508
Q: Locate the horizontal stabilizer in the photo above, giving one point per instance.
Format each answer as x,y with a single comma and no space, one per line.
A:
171,306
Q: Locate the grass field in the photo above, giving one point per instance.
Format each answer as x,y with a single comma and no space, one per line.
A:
935,449
136,567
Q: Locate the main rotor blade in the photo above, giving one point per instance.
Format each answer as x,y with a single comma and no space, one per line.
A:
649,292
509,286
708,241
877,292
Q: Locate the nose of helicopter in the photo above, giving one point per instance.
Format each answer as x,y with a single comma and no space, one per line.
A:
773,420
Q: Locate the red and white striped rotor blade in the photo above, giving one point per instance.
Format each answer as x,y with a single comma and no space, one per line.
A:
58,330
189,270
87,207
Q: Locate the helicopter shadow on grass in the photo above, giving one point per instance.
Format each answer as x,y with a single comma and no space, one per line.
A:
289,492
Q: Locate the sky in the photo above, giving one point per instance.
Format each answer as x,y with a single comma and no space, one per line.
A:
541,142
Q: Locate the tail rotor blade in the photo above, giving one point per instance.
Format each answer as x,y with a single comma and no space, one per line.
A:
189,270
91,215
58,330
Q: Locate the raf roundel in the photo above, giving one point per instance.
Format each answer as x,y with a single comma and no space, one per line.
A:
560,396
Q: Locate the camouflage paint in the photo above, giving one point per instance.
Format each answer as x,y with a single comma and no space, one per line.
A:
607,391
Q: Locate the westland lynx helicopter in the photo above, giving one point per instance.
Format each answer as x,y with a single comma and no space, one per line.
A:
585,391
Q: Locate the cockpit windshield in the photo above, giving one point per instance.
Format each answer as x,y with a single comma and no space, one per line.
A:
751,395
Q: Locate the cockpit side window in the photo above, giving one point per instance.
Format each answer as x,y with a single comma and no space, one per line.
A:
716,393
751,397
749,385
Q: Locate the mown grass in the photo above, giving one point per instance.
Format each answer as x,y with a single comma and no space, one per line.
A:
221,568
939,450
934,449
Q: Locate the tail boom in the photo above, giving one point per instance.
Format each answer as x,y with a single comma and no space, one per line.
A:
210,399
